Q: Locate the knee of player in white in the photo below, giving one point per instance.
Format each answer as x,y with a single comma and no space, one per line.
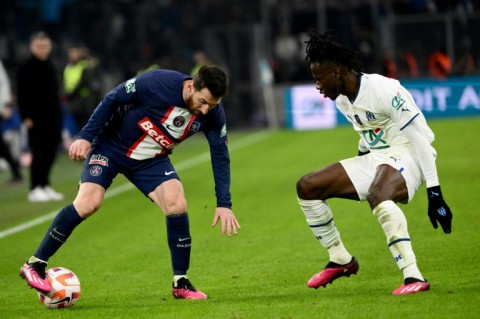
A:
394,225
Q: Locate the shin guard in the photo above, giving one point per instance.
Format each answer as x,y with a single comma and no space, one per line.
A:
394,225
320,219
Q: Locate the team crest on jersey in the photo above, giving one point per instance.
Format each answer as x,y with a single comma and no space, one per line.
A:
130,86
194,127
98,159
95,170
178,121
369,115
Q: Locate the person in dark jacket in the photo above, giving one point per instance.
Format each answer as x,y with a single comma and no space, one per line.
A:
39,105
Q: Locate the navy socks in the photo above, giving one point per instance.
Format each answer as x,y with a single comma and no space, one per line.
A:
179,242
62,226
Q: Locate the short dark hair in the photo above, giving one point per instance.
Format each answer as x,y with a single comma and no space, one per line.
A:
39,35
321,47
213,78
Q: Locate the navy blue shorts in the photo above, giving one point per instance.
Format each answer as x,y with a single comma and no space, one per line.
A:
103,164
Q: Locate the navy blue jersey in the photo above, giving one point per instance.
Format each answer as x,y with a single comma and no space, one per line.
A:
146,117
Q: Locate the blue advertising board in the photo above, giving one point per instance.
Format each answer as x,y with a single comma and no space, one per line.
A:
305,108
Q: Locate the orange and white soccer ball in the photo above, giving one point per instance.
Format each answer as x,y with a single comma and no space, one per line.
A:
65,288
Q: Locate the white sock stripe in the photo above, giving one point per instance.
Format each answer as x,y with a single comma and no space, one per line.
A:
321,225
397,241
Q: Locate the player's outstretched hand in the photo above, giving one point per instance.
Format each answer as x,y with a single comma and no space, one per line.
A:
227,219
79,149
438,210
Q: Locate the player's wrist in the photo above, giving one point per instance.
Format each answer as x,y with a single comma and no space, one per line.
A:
434,193
224,205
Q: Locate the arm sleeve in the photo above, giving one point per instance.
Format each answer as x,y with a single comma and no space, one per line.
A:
119,96
221,174
425,152
217,140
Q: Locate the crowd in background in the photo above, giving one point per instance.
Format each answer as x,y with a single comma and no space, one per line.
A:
99,43
127,35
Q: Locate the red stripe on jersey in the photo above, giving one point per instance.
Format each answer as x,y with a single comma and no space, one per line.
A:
187,129
167,114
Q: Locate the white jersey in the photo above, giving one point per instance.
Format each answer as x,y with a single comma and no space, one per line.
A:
382,108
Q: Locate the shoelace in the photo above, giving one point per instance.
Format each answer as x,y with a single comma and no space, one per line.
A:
185,284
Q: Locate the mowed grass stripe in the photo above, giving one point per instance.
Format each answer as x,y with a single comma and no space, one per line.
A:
184,165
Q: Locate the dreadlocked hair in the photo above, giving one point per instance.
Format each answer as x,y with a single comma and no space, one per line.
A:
321,47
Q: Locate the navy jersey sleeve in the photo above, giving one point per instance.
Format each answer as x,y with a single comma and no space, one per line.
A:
124,94
216,133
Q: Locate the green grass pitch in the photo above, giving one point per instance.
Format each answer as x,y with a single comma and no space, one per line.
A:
121,256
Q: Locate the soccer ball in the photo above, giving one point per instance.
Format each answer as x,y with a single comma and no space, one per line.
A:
65,288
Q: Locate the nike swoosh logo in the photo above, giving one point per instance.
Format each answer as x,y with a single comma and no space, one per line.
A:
169,127
66,299
183,239
169,173
55,230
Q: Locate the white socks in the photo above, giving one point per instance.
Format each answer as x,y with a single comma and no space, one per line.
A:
320,219
394,225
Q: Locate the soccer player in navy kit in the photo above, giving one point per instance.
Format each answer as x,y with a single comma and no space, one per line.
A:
395,158
132,131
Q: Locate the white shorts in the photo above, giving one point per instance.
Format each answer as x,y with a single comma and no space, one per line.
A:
362,169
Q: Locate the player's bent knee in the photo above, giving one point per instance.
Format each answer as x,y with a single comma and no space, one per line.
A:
86,209
374,197
176,207
305,188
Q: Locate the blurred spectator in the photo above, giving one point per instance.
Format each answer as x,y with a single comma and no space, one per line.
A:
200,59
80,84
439,65
39,104
12,131
6,114
148,61
411,64
465,62
407,63
389,66
149,67
285,49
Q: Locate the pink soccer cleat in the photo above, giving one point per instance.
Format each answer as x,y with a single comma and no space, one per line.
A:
185,290
411,286
34,275
333,271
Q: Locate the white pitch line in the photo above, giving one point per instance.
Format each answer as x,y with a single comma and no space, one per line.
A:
202,158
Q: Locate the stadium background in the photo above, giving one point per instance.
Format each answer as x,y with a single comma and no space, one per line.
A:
262,272
258,42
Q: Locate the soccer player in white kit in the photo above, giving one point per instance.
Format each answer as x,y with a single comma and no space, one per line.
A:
395,157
